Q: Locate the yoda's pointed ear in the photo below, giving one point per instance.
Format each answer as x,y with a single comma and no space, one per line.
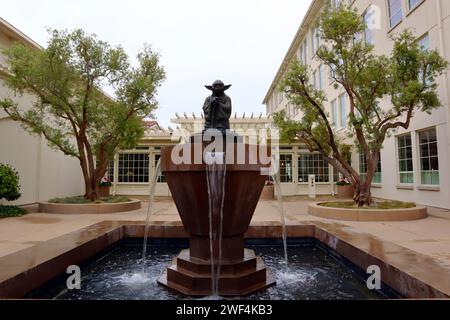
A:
209,87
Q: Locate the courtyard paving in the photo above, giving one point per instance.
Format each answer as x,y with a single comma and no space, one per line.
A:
430,236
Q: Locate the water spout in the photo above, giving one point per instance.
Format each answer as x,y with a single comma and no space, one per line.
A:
277,182
149,213
216,177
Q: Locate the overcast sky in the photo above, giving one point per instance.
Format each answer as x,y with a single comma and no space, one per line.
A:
241,42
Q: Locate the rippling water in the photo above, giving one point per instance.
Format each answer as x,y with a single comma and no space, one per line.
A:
311,274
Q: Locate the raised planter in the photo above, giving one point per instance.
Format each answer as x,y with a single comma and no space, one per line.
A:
268,193
416,213
63,208
104,191
347,191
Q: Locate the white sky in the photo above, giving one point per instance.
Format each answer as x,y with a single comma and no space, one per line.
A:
241,42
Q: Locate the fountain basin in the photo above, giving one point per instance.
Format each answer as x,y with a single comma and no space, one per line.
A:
30,268
315,272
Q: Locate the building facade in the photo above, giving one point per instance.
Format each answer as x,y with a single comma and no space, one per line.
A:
415,163
44,173
133,171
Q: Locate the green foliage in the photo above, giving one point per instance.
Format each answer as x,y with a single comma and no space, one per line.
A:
383,205
83,200
11,211
343,182
406,77
9,183
70,110
70,200
346,151
67,77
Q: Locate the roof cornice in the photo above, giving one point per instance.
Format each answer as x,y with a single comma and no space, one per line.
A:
15,33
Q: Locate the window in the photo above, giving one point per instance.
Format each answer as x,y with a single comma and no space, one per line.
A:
332,74
302,52
312,163
315,40
395,12
336,3
305,50
363,169
133,168
343,108
294,110
414,3
111,170
315,80
405,159
368,31
334,112
161,178
285,168
289,112
424,42
429,161
320,75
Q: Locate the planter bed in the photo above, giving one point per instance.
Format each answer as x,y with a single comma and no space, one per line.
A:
89,208
345,214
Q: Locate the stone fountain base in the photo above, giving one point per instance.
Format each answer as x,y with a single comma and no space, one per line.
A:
192,276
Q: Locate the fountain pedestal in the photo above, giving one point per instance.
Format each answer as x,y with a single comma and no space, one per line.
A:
241,272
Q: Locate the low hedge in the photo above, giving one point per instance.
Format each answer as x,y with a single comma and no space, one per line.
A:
11,211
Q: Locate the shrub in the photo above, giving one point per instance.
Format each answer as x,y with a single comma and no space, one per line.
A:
83,200
11,211
105,182
9,183
343,182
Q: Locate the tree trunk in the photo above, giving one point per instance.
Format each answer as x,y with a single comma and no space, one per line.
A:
363,195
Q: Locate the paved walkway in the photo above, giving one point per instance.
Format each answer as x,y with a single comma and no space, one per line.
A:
430,236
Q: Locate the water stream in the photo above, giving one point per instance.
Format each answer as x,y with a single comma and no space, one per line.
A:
149,213
216,170
277,183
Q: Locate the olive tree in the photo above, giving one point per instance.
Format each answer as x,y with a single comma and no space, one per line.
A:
70,109
406,78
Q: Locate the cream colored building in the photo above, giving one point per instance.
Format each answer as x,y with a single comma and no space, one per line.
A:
44,173
133,171
415,163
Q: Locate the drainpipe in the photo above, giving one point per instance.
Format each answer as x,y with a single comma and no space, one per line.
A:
445,76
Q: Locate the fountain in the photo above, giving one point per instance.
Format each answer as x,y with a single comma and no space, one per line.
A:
216,197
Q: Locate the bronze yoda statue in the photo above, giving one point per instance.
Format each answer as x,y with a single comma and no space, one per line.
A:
217,107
